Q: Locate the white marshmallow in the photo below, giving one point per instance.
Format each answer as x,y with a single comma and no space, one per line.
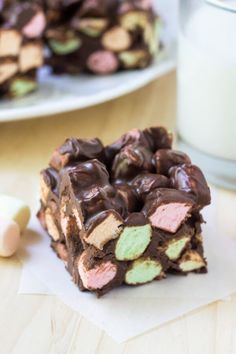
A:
31,57
9,237
10,42
7,70
14,209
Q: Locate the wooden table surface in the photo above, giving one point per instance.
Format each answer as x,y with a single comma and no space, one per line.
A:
43,324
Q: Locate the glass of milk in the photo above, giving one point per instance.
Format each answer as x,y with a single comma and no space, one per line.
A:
207,87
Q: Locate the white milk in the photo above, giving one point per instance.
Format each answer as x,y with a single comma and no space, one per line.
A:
207,82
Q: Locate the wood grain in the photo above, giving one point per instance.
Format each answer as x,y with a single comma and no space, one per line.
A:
44,325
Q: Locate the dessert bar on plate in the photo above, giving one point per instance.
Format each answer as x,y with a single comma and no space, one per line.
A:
127,213
94,36
21,47
101,36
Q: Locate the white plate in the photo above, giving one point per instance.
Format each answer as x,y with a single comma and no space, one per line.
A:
58,94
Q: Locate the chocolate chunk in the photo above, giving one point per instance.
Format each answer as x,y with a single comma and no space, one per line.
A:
130,161
76,150
129,197
97,8
131,137
90,187
164,159
158,138
189,178
168,209
87,175
145,183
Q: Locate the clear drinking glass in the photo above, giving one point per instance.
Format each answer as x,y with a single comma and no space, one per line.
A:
206,121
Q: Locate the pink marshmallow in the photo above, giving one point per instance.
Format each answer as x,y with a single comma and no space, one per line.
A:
9,237
125,7
141,4
170,216
102,62
36,26
134,133
145,4
98,277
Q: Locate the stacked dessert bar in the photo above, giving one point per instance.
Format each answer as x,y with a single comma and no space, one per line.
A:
96,36
101,36
127,213
21,49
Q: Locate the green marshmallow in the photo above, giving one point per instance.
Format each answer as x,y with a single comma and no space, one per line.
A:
143,271
175,248
63,48
128,58
134,19
133,58
132,242
91,32
92,27
21,87
189,266
191,261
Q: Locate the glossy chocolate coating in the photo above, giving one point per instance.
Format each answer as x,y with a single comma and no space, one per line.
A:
129,196
91,187
184,230
189,178
23,13
158,138
130,161
91,223
136,219
51,178
88,174
145,183
134,136
98,8
76,150
165,196
101,204
164,159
